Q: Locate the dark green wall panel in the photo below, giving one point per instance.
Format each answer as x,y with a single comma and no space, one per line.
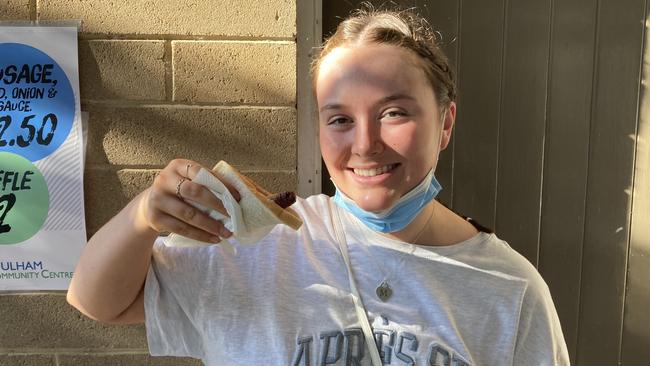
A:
523,122
480,61
566,157
609,183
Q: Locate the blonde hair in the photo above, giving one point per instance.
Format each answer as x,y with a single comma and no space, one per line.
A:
403,29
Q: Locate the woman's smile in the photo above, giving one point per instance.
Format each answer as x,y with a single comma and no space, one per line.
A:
374,175
371,172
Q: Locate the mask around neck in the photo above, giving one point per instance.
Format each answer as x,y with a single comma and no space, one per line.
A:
405,210
401,214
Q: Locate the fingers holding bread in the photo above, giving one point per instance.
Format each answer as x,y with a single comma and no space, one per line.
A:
199,205
190,169
183,172
169,205
179,217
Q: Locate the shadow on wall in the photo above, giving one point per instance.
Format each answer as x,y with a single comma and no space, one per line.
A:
158,131
122,69
133,124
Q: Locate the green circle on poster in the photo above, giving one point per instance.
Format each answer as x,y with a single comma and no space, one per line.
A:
24,199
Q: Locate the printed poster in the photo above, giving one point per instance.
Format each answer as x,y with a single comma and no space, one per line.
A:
42,226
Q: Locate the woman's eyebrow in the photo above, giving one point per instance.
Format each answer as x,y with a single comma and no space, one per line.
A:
394,97
383,100
330,106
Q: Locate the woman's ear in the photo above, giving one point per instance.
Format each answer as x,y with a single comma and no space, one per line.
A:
448,125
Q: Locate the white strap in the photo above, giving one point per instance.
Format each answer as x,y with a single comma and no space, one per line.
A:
358,304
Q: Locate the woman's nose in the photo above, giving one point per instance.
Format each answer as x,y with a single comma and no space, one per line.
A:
367,139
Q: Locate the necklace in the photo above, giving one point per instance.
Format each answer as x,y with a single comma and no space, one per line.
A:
383,290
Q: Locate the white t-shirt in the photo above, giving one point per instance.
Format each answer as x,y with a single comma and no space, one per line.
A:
287,301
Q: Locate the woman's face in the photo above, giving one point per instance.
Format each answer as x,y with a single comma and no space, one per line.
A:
380,124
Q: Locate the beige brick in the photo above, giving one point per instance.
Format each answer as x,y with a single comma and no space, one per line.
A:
107,190
27,360
48,322
125,360
14,10
263,138
234,72
275,182
122,70
269,18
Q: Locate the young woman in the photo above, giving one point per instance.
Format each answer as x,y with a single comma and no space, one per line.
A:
380,273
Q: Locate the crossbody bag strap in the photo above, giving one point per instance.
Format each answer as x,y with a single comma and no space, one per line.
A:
358,304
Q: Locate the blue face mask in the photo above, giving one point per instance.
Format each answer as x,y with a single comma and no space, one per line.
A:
401,214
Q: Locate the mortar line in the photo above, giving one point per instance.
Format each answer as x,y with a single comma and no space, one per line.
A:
33,9
117,103
243,169
168,60
31,293
175,37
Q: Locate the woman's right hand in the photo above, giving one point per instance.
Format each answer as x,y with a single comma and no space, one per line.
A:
165,206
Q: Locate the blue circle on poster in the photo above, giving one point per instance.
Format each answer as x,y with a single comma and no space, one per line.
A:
37,103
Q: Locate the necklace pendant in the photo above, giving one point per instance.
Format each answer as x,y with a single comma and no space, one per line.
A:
383,291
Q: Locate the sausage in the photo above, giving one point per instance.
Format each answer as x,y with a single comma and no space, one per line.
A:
283,199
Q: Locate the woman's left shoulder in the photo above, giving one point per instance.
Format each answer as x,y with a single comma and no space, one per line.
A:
496,254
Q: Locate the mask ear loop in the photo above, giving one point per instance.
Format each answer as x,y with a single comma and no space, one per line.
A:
442,130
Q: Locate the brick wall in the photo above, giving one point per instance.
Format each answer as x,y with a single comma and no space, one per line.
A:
207,80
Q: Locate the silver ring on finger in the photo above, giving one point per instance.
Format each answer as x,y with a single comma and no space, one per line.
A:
178,187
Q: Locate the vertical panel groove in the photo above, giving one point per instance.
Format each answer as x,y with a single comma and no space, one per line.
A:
613,124
632,188
477,127
566,155
594,87
522,126
636,334
549,76
504,30
457,67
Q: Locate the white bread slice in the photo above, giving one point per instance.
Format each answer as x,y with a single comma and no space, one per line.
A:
258,210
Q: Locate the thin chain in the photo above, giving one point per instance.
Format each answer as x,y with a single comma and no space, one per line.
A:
403,255
433,208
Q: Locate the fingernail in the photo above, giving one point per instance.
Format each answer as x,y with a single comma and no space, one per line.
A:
225,233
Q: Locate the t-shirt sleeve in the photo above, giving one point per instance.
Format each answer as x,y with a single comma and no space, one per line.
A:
539,337
170,314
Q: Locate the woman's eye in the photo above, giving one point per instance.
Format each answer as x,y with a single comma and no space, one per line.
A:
338,121
394,114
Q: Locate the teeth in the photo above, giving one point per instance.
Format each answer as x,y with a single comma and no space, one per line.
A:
373,172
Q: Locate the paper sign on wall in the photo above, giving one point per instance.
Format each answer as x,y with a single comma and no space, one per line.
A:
42,226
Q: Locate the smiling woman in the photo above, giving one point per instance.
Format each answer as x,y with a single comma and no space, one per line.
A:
398,274
381,128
